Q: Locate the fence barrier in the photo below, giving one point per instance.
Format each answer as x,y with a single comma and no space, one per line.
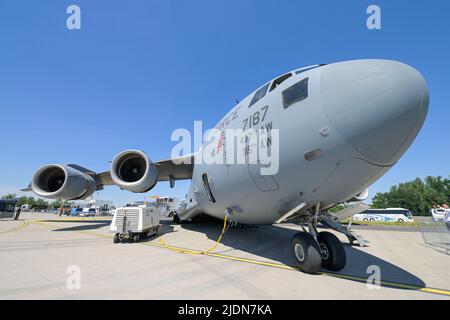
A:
436,235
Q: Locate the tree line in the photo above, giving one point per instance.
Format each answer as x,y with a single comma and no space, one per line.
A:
38,203
417,195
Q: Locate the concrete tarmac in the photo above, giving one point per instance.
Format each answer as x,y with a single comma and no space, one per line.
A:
41,259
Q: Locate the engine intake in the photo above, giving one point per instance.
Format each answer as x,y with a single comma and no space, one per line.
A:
133,170
62,182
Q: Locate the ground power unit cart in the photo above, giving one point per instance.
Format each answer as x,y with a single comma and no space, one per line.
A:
134,223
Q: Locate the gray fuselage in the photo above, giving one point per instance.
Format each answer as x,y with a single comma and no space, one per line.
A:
356,121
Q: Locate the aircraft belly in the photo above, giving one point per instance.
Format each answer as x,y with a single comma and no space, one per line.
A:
347,179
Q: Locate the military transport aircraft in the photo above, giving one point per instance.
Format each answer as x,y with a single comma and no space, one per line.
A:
341,127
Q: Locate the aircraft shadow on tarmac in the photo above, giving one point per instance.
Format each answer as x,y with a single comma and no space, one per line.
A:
274,243
97,224
84,224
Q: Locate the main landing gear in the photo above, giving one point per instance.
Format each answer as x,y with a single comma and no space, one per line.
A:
176,219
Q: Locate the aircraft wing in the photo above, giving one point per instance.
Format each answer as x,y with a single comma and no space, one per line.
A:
74,182
179,168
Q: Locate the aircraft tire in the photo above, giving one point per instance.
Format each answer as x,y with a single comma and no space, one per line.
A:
116,238
306,252
176,219
332,251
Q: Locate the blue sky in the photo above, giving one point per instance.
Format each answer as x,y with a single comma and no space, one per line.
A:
139,69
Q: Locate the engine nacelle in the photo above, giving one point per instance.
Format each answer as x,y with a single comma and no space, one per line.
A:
56,181
133,170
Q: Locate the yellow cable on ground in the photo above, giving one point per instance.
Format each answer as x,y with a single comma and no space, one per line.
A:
178,250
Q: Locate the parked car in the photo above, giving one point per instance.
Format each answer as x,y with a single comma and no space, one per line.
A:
440,214
88,212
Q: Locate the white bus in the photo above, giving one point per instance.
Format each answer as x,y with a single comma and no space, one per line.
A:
385,215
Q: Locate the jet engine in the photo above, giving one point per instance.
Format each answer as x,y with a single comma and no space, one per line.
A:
133,170
62,182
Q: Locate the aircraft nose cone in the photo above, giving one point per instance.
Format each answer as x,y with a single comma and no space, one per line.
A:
377,106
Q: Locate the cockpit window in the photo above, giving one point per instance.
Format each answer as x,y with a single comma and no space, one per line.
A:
279,80
295,93
259,95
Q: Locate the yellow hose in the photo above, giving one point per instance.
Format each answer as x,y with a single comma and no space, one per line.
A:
178,250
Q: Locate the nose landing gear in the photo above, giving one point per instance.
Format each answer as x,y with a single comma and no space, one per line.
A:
312,254
332,251
314,250
306,252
